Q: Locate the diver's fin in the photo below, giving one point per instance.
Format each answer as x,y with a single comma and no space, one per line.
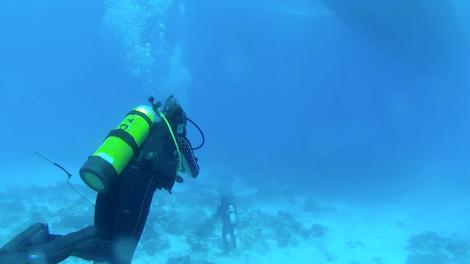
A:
26,248
33,235
61,248
11,257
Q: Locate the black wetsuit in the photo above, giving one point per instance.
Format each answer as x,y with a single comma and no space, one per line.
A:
120,214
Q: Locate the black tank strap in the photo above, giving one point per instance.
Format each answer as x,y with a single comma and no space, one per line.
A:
144,116
119,133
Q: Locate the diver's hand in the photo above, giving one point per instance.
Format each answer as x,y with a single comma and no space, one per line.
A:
179,179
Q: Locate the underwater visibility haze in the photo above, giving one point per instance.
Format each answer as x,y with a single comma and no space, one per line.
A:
339,128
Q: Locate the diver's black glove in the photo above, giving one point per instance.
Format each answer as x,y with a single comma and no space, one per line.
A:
179,179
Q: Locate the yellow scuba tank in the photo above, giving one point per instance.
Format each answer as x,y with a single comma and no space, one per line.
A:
104,166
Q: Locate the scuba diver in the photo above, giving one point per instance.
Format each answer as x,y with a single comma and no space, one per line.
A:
227,211
138,157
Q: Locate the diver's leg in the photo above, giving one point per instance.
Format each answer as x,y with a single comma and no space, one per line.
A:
224,235
134,200
62,247
101,249
233,237
120,217
51,252
133,204
35,234
95,249
14,257
104,214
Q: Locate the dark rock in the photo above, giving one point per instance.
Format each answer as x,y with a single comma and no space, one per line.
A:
284,238
286,220
187,260
431,248
196,244
162,244
204,229
318,230
150,247
438,258
180,260
312,207
176,229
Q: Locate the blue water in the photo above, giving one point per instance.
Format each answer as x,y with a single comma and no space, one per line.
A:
360,101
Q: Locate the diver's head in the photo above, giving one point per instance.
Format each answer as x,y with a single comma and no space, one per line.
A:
226,200
175,115
175,118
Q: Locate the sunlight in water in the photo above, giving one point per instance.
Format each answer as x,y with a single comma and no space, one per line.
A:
140,27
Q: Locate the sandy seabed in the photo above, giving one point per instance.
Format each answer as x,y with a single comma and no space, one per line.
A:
273,227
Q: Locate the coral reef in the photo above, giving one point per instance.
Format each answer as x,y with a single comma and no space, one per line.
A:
187,259
311,206
431,248
182,229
